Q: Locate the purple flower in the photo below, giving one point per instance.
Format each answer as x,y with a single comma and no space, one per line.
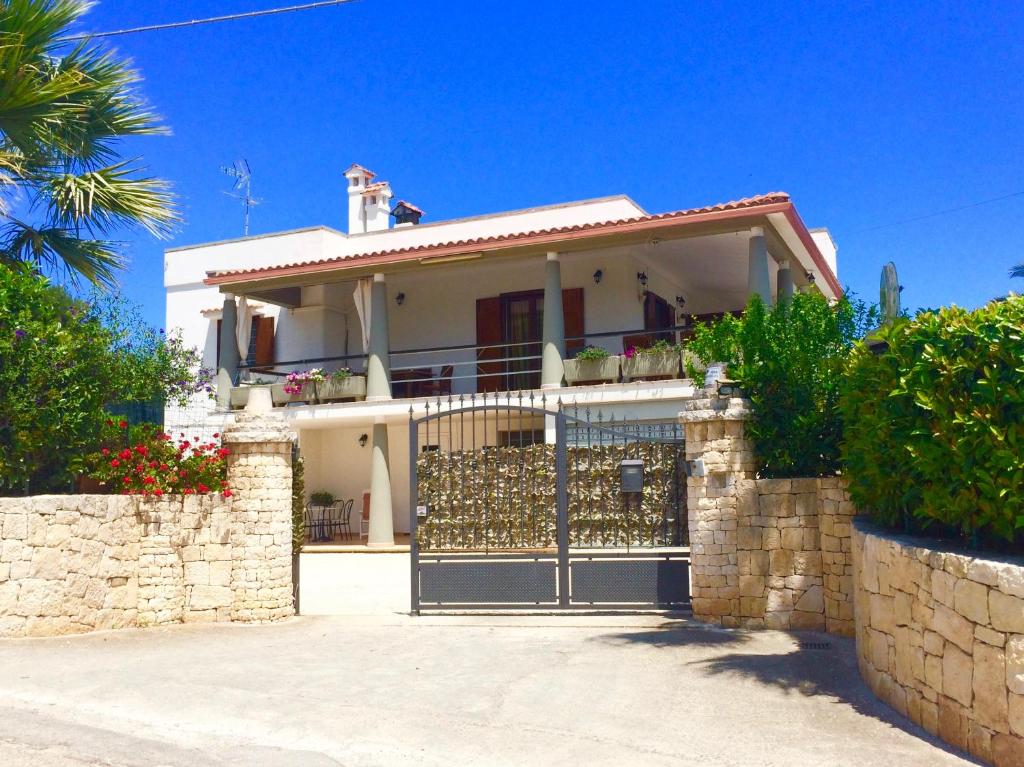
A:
19,334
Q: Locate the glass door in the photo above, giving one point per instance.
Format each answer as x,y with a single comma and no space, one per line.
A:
522,325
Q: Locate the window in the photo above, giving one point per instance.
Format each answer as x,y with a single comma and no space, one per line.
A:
355,181
521,438
373,199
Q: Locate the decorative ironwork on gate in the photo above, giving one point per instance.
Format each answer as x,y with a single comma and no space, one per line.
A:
521,502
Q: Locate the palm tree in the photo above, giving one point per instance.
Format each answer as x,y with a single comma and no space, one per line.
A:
64,109
1018,270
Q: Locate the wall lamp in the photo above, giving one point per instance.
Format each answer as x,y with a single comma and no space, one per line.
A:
641,277
810,277
680,301
400,299
362,439
597,276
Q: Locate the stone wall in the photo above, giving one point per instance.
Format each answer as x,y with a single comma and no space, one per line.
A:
766,553
71,563
940,638
74,563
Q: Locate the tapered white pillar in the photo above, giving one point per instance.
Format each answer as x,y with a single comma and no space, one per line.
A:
378,362
784,281
227,365
758,278
382,528
553,333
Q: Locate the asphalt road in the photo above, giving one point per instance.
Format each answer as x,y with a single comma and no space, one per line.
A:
562,690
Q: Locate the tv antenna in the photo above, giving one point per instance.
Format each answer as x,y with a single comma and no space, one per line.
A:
242,188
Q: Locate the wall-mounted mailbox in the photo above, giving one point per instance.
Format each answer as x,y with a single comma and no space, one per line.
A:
421,512
632,476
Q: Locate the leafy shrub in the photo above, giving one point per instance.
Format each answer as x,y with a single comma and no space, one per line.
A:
661,346
62,361
592,353
789,360
298,502
143,460
934,424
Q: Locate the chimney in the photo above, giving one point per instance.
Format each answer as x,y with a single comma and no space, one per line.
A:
406,214
377,206
358,179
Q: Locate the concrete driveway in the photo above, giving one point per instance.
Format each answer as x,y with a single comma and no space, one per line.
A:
560,690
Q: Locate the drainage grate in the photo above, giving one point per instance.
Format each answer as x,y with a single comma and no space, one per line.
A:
814,645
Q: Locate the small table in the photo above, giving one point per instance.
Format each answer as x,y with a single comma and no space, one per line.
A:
320,525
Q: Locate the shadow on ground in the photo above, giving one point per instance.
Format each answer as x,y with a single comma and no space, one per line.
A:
816,664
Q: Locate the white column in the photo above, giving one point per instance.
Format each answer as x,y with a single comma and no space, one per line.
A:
382,528
758,278
378,362
785,282
553,336
227,366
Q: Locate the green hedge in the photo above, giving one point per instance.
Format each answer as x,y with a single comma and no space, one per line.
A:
934,423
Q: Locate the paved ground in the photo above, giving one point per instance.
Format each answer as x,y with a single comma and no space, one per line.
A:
446,691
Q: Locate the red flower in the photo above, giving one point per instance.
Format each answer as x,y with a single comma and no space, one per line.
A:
148,480
115,463
163,467
181,474
188,491
125,454
158,492
216,435
226,493
223,453
105,451
153,464
126,480
110,422
122,424
203,488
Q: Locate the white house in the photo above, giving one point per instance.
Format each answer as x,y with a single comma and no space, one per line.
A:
470,307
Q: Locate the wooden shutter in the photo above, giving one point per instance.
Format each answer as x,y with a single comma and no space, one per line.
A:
488,332
572,315
264,340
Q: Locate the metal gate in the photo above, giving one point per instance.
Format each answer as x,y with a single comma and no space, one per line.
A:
518,505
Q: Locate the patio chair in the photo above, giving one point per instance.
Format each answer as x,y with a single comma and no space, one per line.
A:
344,518
318,517
310,521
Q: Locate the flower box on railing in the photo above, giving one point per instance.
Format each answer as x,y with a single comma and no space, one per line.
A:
651,364
287,394
335,388
605,370
240,396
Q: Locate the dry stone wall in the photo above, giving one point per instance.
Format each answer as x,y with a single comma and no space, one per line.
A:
940,638
75,563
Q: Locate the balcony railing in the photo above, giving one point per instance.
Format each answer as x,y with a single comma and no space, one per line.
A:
471,368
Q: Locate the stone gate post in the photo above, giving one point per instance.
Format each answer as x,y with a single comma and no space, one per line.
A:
260,477
724,465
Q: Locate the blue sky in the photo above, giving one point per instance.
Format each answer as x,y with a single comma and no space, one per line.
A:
867,114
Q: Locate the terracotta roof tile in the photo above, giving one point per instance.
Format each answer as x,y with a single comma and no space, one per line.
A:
747,202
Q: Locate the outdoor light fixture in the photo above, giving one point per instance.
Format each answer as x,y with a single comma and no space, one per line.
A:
597,277
641,277
400,299
810,277
680,301
362,440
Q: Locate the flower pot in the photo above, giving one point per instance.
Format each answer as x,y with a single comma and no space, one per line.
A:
642,366
281,397
606,369
330,389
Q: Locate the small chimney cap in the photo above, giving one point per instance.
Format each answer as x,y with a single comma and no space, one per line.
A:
356,170
406,213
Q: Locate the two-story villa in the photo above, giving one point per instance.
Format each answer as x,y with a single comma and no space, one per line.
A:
415,311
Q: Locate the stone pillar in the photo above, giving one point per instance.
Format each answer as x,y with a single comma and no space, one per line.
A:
260,477
714,430
785,282
758,277
227,366
554,325
836,512
382,530
378,363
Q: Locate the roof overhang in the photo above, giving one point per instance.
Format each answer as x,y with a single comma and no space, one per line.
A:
774,212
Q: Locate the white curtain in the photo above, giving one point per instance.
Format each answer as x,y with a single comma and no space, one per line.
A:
243,328
362,300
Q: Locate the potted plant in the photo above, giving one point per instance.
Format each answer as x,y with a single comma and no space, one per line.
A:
592,363
660,359
299,386
321,498
341,384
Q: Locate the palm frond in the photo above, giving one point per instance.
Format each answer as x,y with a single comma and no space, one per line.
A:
1018,270
60,249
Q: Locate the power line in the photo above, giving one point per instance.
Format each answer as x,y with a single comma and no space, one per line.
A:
210,20
941,212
